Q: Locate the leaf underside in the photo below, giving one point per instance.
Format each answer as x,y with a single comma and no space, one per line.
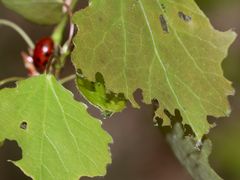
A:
95,93
38,11
167,48
58,138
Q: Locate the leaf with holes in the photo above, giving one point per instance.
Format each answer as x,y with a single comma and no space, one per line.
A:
59,139
37,11
166,48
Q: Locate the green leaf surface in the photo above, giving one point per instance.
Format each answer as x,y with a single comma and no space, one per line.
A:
58,138
193,159
95,93
38,11
167,48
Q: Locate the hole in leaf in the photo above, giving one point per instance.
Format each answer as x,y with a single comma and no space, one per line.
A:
10,151
138,96
175,118
188,130
23,125
155,104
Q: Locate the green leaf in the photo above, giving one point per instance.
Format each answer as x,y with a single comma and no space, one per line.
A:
167,48
38,11
95,93
193,159
59,139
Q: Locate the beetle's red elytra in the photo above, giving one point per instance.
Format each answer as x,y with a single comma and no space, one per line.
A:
42,53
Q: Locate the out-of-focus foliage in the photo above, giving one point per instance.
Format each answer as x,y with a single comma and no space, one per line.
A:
37,11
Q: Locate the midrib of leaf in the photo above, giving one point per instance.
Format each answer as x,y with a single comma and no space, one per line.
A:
43,129
44,134
125,49
162,64
64,117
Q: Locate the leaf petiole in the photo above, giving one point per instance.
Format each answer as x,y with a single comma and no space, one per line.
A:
67,79
11,79
20,31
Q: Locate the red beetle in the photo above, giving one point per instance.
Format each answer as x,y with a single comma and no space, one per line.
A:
39,57
42,53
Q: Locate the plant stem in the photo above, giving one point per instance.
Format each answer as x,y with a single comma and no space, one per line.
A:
21,32
68,78
58,35
11,79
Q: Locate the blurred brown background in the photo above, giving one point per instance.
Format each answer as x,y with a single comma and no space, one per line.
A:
139,151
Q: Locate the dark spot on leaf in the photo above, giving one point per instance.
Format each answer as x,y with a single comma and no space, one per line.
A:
184,17
163,23
23,125
99,78
121,96
163,6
